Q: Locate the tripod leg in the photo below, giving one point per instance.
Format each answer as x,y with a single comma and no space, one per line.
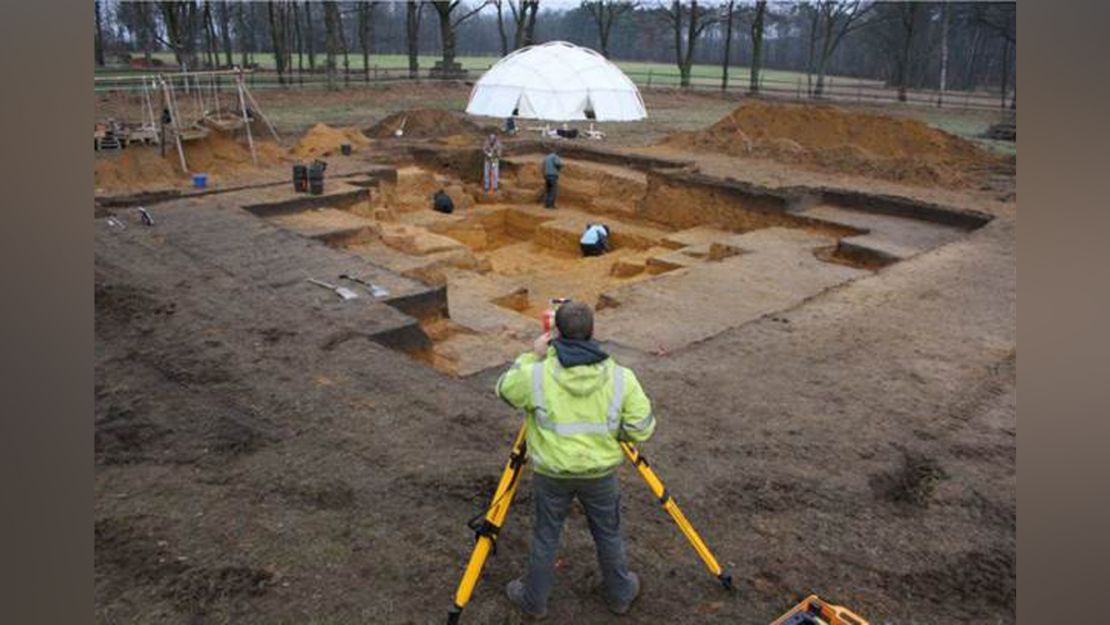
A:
669,504
490,525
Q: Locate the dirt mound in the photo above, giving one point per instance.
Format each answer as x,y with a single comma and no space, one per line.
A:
424,124
323,140
221,156
828,137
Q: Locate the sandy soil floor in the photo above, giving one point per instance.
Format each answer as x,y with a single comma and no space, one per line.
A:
252,468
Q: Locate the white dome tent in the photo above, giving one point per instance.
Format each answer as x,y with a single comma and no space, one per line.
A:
556,81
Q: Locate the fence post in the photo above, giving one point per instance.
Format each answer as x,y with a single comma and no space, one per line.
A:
649,78
859,92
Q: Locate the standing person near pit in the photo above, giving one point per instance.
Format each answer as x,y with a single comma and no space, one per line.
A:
579,403
491,165
552,164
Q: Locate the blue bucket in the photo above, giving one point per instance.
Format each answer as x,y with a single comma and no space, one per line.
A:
200,181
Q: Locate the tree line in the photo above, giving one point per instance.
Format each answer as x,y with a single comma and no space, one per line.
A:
907,45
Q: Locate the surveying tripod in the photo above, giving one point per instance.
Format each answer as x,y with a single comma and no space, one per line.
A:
486,526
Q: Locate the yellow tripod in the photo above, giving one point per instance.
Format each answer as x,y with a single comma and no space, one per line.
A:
487,525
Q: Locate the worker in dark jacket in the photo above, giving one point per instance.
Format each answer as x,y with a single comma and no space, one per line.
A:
441,202
551,166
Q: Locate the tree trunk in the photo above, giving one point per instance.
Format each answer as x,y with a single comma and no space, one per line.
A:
757,45
212,57
691,38
278,41
412,36
98,41
604,27
446,33
364,37
533,6
331,41
683,79
1005,71
501,29
310,36
300,43
943,53
728,46
346,51
813,24
225,32
146,28
242,35
908,13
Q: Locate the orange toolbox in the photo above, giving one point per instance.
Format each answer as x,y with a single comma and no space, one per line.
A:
814,610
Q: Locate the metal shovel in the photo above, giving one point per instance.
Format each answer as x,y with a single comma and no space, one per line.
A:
341,291
375,290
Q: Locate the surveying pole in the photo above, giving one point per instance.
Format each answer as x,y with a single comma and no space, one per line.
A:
486,526
669,504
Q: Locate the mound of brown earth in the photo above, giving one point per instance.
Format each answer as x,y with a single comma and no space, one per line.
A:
424,124
323,140
828,137
219,155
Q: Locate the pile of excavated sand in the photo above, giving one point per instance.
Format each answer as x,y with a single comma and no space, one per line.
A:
323,140
836,139
220,156
424,124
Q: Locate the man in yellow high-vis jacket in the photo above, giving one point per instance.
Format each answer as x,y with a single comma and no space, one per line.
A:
579,403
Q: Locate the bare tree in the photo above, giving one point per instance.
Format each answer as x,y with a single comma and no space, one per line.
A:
524,18
331,41
688,24
299,36
757,45
346,51
908,17
449,20
501,27
310,36
413,13
728,43
1002,20
225,31
943,52
365,32
98,47
212,57
605,13
278,37
180,19
837,19
245,35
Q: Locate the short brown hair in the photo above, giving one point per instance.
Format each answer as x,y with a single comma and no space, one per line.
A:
575,320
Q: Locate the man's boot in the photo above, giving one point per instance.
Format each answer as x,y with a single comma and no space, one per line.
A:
515,591
623,608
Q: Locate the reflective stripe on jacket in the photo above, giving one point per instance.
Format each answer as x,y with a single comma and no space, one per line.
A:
576,415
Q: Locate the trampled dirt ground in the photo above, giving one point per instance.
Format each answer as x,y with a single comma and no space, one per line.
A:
260,461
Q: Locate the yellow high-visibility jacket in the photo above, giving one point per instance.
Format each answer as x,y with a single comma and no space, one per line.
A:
577,415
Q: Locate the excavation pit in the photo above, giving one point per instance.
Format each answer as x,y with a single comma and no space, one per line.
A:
690,256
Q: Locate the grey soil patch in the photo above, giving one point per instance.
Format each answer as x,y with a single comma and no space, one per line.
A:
913,483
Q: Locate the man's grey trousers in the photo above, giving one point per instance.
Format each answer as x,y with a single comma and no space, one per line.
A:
600,497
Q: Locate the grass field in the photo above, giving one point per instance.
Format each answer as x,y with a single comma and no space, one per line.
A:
639,72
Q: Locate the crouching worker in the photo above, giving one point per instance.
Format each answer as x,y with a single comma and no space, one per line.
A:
579,403
441,202
595,240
